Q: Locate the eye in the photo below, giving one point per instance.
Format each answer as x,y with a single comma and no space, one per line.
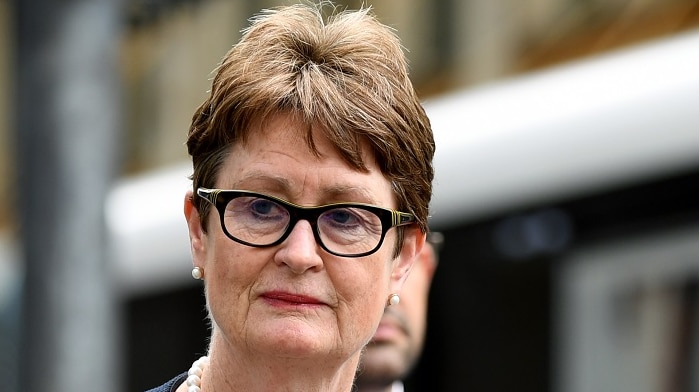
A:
351,220
263,206
264,209
250,208
255,220
341,217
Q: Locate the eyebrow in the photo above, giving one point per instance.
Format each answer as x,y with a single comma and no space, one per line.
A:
331,194
348,193
270,182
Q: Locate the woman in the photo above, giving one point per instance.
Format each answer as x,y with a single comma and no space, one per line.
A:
312,177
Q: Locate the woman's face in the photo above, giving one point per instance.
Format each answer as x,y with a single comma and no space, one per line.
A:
295,299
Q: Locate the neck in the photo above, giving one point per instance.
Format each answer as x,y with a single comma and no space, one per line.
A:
229,371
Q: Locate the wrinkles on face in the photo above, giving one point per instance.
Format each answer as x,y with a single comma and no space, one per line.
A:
294,299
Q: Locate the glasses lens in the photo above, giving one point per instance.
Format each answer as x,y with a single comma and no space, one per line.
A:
349,230
255,220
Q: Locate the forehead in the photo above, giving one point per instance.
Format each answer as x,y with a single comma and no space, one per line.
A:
288,158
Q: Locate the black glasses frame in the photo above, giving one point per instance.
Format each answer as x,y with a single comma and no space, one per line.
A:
389,218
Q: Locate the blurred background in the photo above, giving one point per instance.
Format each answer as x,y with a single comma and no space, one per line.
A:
567,190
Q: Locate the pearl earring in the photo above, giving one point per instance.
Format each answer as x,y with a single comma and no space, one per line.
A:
197,273
393,299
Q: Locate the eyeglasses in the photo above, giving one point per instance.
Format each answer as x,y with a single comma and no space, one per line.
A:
342,229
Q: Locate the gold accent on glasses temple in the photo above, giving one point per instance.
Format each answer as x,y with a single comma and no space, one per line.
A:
209,195
401,218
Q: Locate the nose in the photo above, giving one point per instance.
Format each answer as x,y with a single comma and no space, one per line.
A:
299,251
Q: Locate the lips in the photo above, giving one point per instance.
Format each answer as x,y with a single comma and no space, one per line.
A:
392,325
281,298
386,332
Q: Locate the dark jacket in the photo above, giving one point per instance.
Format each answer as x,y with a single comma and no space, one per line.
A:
171,385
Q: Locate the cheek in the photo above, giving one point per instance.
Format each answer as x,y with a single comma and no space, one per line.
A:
232,260
229,274
363,288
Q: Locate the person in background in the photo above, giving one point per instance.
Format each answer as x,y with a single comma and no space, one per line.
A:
312,161
397,343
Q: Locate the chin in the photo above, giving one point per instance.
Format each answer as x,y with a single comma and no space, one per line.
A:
379,372
296,339
383,359
293,343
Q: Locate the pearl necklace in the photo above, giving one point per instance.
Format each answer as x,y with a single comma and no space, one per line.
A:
194,374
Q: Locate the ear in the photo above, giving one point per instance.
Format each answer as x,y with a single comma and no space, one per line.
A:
429,257
197,237
428,260
413,242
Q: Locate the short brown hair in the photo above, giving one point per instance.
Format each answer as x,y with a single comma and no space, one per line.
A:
346,72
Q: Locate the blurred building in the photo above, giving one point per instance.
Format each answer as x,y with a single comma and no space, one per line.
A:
170,46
